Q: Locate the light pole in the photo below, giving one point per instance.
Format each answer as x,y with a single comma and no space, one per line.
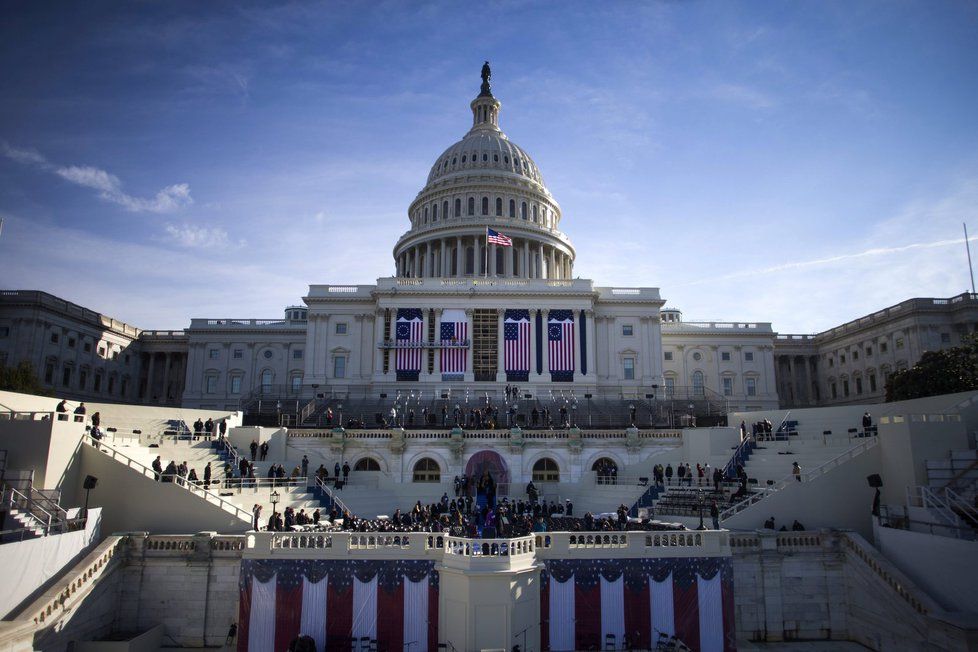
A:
274,497
699,493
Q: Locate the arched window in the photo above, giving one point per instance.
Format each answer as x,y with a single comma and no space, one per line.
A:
427,470
506,160
512,208
698,383
434,212
463,158
425,214
458,208
266,381
534,212
485,157
499,206
522,210
546,470
485,205
605,470
495,158
469,260
471,205
444,210
454,160
366,464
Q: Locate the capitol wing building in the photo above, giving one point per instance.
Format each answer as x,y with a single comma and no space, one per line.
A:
484,295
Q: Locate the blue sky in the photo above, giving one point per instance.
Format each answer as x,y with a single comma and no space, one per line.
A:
802,163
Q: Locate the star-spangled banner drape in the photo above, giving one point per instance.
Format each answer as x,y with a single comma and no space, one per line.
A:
392,602
516,342
453,331
599,603
560,340
408,339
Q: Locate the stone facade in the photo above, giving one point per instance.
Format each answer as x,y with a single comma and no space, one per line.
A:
850,364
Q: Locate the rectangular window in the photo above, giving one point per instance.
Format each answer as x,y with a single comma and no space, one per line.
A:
82,378
4,331
899,343
749,356
855,355
872,382
211,385
670,386
341,328
728,386
945,338
297,354
627,330
667,355
236,384
71,342
237,354
725,356
882,347
339,367
629,364
842,358
54,338
97,384
869,351
845,388
101,351
831,362
66,376
859,385
751,384
213,354
296,383
87,347
835,392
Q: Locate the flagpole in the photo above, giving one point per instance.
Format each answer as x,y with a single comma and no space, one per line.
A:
967,246
486,273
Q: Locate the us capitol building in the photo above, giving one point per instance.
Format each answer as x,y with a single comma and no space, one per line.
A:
466,314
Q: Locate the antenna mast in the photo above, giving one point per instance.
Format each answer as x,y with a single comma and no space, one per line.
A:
967,246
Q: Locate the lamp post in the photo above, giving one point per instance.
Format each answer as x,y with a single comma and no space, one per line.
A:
339,408
691,422
274,497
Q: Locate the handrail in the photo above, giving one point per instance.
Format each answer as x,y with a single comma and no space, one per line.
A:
959,501
805,477
31,510
953,482
737,456
206,494
332,494
920,496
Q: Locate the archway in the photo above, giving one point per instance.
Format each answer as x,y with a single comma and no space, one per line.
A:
366,464
545,470
492,462
426,470
606,470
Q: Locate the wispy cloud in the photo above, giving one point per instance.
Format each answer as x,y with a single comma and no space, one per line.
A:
198,237
747,96
108,186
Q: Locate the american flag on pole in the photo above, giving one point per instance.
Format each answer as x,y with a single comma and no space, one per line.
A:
516,340
454,330
560,337
408,341
497,238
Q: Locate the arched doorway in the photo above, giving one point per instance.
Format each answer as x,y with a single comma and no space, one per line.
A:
366,464
492,462
606,470
545,470
426,470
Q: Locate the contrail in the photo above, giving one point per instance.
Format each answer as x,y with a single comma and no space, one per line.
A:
879,251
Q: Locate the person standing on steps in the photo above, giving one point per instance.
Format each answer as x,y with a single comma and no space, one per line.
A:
796,471
209,428
207,476
305,466
253,447
715,515
346,471
223,428
158,467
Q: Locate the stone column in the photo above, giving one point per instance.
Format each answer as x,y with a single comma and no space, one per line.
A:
612,334
414,261
791,379
546,345
459,257
592,345
149,377
477,256
500,347
469,371
446,258
552,269
167,361
491,263
526,260
378,369
425,320
646,351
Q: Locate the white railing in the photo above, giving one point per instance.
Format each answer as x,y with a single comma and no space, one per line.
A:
201,491
332,495
806,476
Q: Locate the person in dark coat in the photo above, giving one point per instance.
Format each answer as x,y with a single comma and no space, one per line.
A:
209,427
346,471
254,449
158,467
223,427
207,475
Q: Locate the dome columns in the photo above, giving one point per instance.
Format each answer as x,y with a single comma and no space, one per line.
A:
463,256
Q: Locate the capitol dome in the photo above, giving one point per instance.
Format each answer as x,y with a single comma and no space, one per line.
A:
484,181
